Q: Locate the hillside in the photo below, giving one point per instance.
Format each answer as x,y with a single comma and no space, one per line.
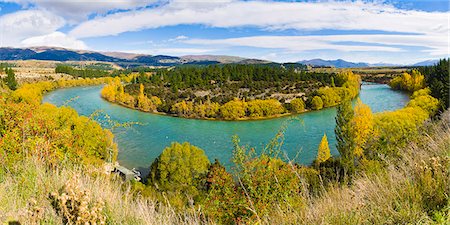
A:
121,58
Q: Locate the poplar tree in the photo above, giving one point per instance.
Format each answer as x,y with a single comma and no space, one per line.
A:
10,79
344,135
323,153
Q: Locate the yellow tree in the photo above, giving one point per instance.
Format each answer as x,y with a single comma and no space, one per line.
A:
362,126
323,153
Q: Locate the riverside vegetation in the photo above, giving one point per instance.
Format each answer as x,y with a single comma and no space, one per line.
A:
233,92
392,169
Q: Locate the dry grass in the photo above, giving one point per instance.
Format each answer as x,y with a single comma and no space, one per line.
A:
25,196
403,194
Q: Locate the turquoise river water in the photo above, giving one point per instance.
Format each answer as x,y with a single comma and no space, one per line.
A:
141,144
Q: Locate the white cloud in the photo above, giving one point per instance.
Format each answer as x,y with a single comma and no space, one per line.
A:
173,51
20,25
270,15
55,39
389,43
79,10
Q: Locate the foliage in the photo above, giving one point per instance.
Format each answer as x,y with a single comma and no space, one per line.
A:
425,101
114,92
179,168
408,82
264,108
32,93
316,103
362,127
233,109
438,80
329,96
297,105
344,135
55,134
323,152
10,79
83,73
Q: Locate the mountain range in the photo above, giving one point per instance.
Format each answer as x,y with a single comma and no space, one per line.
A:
132,60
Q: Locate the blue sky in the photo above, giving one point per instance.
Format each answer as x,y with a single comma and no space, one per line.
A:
390,31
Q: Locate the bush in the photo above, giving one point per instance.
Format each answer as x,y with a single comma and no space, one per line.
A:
297,105
179,168
316,103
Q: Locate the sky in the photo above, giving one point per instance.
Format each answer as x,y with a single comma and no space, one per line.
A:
387,31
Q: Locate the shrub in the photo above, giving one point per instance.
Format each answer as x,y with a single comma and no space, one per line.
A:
179,168
297,105
316,103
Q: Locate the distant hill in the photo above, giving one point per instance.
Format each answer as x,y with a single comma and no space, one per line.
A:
122,59
133,60
339,63
427,62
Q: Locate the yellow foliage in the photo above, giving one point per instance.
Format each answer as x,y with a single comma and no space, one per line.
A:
362,126
409,82
262,108
425,101
298,105
233,109
323,152
183,108
316,103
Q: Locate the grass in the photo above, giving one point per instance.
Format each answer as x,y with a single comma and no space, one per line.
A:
412,190
25,196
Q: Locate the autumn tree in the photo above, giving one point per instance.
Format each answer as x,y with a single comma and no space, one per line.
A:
179,168
316,103
323,152
362,126
233,109
297,105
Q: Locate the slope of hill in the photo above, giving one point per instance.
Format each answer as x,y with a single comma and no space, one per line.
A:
339,63
123,59
427,62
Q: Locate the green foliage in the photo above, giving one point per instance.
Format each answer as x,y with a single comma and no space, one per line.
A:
179,168
10,79
83,73
344,135
438,80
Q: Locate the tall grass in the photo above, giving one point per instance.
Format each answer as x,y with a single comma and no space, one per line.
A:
25,196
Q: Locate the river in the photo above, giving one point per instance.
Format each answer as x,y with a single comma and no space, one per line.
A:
141,144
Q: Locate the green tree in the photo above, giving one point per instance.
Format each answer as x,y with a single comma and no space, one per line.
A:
323,152
179,168
10,79
344,134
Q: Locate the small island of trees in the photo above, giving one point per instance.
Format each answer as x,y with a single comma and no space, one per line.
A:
232,92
